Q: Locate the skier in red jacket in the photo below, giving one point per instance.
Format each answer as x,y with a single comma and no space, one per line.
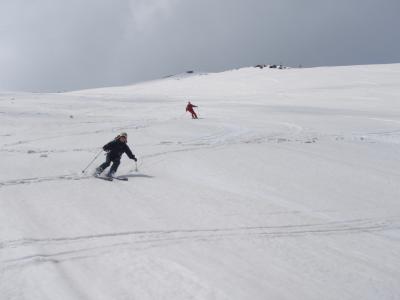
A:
189,108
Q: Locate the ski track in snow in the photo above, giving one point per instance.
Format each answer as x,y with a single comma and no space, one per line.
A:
229,136
44,179
42,151
60,178
88,246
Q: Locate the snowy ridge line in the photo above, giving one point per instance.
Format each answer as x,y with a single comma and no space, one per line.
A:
112,130
357,225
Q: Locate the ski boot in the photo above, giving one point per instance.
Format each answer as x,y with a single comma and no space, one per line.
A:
110,174
98,171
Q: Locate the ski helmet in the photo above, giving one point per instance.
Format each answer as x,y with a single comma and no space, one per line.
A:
122,134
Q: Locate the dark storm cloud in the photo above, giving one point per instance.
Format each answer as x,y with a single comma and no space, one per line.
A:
59,45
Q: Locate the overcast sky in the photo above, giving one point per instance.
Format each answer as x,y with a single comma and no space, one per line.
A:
51,45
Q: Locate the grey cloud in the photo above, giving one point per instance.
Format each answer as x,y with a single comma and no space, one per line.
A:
48,45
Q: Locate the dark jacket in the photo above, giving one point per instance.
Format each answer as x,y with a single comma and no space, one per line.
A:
116,148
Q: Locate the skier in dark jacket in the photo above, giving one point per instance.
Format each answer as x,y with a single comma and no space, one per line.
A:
189,108
115,149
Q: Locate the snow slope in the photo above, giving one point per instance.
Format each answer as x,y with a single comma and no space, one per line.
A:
287,187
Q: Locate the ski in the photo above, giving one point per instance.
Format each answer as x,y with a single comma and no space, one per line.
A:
104,178
122,178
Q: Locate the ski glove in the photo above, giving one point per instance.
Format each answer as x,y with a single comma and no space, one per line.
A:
134,158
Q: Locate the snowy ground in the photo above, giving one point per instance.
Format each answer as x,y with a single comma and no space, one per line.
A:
287,187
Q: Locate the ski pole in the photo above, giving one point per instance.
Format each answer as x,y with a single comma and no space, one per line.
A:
97,155
136,169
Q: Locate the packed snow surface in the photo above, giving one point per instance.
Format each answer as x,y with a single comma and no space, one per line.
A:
287,187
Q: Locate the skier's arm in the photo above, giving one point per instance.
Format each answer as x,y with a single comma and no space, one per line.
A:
108,146
129,153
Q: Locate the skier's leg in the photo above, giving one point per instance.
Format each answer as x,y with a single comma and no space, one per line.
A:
114,167
195,115
104,165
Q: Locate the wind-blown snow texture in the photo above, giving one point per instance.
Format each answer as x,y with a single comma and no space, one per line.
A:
287,187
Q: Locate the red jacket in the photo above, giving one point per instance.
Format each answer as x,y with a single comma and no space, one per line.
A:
189,107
